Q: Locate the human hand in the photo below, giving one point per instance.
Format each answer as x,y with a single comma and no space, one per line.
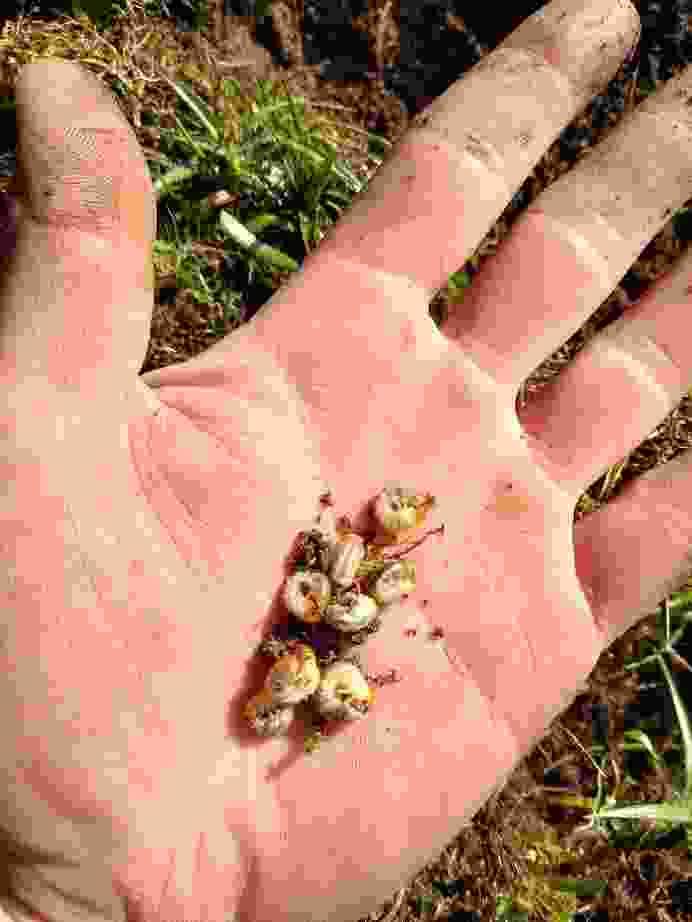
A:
147,519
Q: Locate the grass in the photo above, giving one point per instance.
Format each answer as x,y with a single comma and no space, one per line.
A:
619,819
103,12
258,180
284,178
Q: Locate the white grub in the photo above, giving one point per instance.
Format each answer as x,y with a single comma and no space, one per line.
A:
352,612
294,677
306,594
347,556
343,693
396,580
400,509
266,716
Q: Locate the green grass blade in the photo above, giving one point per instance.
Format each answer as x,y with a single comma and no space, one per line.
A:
585,888
275,257
244,238
641,741
676,812
197,107
682,601
164,184
685,728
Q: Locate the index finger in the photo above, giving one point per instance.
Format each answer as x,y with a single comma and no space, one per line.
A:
453,174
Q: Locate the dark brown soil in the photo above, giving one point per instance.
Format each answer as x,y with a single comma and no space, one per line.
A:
523,832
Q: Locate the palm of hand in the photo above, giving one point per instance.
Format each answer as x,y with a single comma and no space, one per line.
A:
411,410
153,671
132,647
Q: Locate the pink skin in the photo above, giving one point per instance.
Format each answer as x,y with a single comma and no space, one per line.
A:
147,519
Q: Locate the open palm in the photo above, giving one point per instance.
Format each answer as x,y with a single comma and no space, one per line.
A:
147,519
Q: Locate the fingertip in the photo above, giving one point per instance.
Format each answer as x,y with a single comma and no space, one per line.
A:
79,162
62,81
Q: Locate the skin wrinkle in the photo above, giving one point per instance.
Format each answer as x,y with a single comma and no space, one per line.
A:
532,653
150,483
24,855
648,343
79,545
466,672
46,792
483,152
513,502
198,416
593,257
516,60
72,898
94,210
663,177
547,468
678,522
167,884
145,481
521,505
615,348
202,849
80,900
474,145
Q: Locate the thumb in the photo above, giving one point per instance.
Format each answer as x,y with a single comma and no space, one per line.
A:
76,293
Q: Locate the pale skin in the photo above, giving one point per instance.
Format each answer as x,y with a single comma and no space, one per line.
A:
146,519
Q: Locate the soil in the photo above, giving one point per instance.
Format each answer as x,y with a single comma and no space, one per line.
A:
384,92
